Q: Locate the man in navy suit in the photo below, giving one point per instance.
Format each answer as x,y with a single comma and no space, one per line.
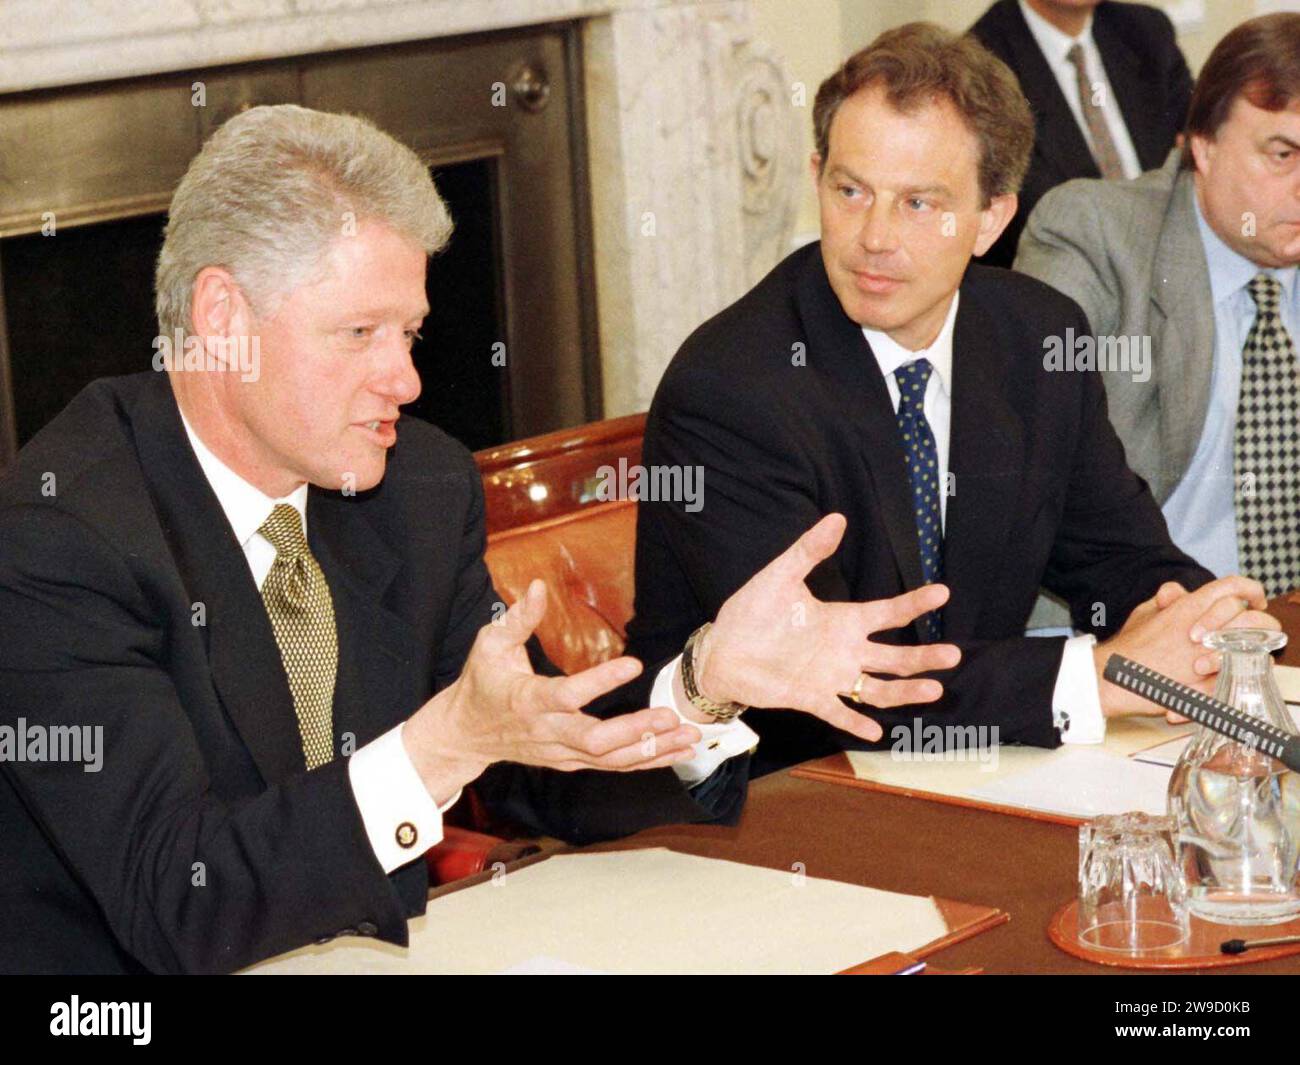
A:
882,376
249,647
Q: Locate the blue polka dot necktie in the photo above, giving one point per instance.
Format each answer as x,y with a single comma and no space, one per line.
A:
922,459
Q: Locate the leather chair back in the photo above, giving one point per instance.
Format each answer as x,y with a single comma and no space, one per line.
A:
586,559
542,477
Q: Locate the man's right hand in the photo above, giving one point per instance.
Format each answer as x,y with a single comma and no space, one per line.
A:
1165,634
499,710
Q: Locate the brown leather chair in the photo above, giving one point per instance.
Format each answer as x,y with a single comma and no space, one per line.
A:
586,559
542,477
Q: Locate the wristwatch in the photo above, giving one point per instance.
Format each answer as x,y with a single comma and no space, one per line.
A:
721,712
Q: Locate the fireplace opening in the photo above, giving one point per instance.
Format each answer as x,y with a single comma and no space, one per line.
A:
509,348
463,391
79,305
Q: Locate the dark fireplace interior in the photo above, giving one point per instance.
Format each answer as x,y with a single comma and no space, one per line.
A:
78,304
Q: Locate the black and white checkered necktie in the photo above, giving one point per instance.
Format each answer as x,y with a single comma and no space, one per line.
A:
1266,447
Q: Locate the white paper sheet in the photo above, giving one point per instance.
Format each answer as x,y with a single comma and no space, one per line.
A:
643,911
1129,771
1288,682
543,965
1167,754
1082,782
995,778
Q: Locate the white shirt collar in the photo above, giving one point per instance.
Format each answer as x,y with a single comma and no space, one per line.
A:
890,354
1052,42
246,507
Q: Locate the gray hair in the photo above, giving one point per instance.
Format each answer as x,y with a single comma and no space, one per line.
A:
270,192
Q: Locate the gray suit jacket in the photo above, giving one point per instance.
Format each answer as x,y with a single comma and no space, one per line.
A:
1130,254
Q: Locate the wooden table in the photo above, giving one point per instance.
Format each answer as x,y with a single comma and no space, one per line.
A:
1025,867
915,846
1286,608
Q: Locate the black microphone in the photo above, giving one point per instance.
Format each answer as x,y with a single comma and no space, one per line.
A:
1254,732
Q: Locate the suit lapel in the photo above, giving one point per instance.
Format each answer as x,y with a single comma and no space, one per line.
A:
378,680
1182,325
836,345
377,684
1057,135
986,461
247,671
1134,90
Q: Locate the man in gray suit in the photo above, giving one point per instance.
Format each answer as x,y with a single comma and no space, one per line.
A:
1188,278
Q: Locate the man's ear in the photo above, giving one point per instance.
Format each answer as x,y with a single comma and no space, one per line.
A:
994,219
815,168
212,302
1202,149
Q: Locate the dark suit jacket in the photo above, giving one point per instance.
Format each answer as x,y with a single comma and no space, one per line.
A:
99,583
1145,68
1043,495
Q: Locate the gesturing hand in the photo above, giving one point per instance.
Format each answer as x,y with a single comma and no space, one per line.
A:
775,645
499,710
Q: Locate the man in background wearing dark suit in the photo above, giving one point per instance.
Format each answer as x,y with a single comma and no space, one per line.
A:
260,607
1107,85
880,375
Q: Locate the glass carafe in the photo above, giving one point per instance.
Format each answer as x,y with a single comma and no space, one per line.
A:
1235,809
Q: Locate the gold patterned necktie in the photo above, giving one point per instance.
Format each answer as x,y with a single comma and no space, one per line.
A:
302,616
1103,145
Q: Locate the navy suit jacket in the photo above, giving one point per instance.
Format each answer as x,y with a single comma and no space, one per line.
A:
781,402
203,844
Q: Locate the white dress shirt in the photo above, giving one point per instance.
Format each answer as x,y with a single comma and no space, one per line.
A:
1076,702
1055,46
387,788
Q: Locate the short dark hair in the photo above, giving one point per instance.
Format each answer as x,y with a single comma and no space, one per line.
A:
921,61
1260,60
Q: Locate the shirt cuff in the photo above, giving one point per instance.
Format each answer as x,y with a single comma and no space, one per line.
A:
401,819
1076,702
718,742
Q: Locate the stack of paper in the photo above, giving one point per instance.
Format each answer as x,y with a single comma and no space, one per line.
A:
642,911
1071,781
1129,771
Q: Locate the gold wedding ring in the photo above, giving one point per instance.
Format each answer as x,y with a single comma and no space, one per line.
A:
856,692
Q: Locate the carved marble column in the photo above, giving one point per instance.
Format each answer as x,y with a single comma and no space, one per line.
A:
694,160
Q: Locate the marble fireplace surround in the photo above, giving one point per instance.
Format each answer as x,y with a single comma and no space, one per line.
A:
691,127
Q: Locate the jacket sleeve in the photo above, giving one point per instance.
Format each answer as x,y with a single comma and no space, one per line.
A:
761,492
1178,78
187,881
1112,549
1064,244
